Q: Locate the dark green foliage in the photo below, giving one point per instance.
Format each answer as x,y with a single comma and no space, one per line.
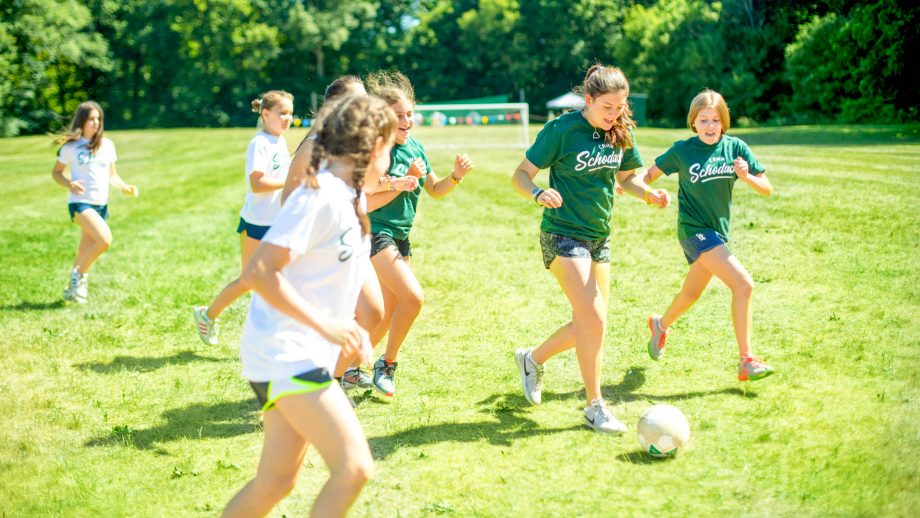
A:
199,63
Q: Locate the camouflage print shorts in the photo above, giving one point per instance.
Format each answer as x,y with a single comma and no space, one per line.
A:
555,245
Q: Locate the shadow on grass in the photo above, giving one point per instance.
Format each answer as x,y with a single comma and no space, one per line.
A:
196,421
625,391
640,457
27,305
145,363
508,425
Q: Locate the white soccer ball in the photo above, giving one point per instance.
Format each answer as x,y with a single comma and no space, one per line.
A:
663,430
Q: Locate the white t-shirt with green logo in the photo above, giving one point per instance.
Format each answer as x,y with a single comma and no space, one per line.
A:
330,261
91,169
269,155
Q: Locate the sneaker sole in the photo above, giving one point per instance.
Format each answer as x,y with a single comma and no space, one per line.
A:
651,342
745,377
590,425
522,373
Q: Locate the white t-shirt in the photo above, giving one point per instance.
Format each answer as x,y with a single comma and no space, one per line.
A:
269,155
330,261
92,169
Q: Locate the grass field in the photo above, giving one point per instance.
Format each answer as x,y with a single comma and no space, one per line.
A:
116,409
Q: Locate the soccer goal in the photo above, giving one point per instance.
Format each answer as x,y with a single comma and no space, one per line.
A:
474,125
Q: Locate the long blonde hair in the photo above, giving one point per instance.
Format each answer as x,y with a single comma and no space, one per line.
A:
600,80
75,131
348,126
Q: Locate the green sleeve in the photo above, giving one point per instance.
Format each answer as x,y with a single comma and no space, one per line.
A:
545,150
745,152
668,162
631,157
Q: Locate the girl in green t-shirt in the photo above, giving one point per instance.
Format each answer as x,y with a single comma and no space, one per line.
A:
392,213
708,166
587,152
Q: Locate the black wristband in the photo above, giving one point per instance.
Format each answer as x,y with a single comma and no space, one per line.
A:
536,196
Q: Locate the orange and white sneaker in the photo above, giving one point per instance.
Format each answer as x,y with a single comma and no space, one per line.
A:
659,336
208,329
753,368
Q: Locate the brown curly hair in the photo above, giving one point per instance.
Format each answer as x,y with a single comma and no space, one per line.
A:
348,127
391,86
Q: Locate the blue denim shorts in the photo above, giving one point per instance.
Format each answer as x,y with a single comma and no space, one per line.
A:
381,241
256,232
554,245
698,243
75,208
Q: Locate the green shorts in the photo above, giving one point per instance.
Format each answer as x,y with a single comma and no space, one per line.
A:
269,392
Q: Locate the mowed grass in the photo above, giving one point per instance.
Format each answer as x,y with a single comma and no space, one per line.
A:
116,409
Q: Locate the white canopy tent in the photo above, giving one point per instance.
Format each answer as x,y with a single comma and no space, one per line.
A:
566,101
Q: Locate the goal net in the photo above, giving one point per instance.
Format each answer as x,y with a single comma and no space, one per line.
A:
474,125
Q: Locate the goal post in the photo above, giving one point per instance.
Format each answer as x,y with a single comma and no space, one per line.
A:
479,114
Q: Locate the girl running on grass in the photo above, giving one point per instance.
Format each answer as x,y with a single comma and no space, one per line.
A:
267,161
708,165
392,214
91,158
306,275
369,311
586,151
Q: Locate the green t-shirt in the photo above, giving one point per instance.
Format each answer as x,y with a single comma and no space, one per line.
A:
706,180
395,218
583,168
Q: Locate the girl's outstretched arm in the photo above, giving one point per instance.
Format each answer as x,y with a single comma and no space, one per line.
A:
635,186
440,187
259,183
759,182
126,189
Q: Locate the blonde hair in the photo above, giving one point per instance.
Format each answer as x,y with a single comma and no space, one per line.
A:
600,80
391,86
348,126
269,100
709,99
75,131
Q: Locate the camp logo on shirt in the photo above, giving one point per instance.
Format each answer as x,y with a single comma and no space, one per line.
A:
276,163
596,159
85,157
716,169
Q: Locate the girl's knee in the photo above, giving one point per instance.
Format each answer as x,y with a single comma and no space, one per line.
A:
413,301
356,472
274,487
744,287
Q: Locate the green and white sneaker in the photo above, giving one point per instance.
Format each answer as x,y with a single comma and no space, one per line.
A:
384,377
659,335
357,377
78,288
207,328
531,376
601,420
753,368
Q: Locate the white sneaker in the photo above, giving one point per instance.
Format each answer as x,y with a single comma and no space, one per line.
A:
207,328
531,376
601,420
78,289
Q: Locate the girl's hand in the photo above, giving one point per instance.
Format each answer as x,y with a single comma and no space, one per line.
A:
348,335
76,187
618,189
659,198
741,168
462,165
405,183
550,198
130,190
417,168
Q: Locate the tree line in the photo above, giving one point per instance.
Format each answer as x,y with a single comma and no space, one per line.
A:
171,63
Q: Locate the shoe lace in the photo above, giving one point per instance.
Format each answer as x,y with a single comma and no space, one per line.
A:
389,369
754,361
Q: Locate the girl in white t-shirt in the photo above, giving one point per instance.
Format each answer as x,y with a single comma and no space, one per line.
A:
267,163
307,274
91,159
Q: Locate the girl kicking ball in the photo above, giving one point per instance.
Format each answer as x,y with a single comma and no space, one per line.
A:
91,158
708,165
586,152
